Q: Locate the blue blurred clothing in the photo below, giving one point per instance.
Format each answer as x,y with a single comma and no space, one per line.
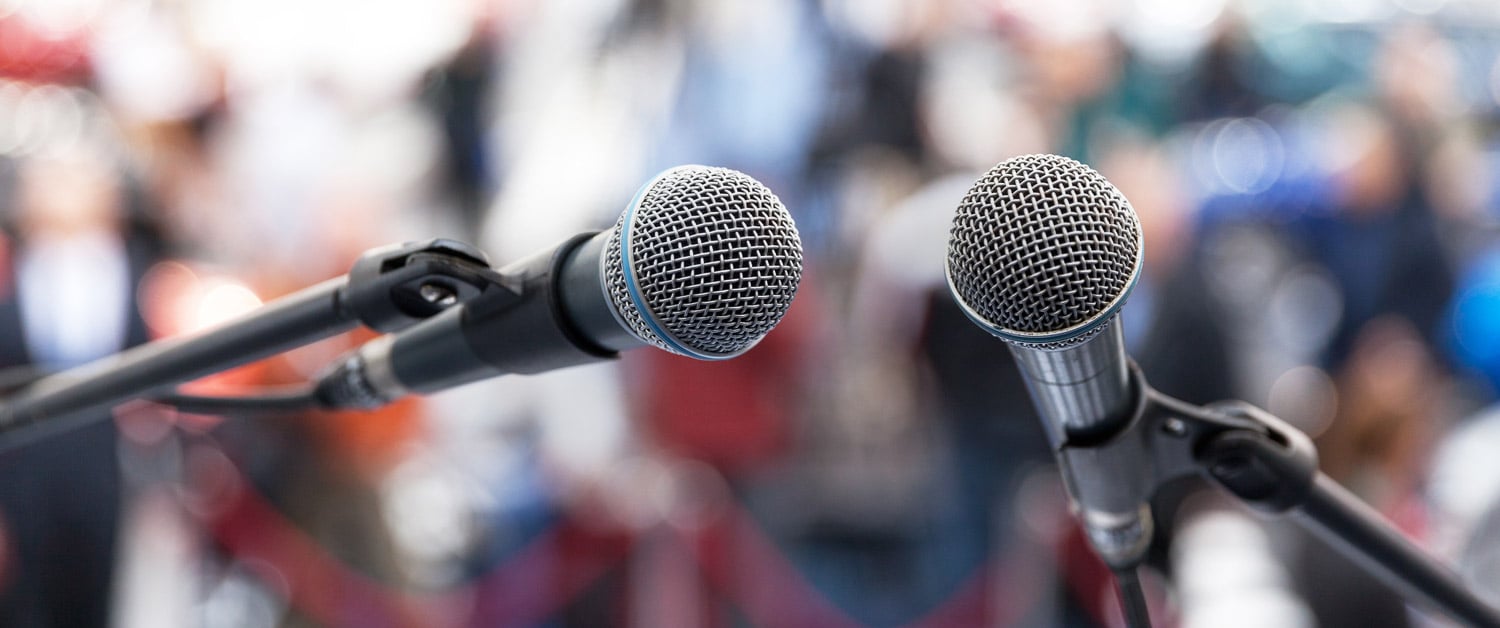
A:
1386,264
1473,334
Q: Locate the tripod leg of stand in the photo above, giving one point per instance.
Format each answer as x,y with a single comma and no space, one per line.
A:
1346,522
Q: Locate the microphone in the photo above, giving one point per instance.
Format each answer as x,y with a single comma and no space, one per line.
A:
703,263
1042,254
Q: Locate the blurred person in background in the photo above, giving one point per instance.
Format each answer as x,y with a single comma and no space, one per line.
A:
1223,81
72,268
460,91
1355,280
1379,243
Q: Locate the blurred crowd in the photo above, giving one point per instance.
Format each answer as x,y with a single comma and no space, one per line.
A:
1318,183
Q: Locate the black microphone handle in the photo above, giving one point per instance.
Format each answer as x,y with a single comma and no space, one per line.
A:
548,312
524,329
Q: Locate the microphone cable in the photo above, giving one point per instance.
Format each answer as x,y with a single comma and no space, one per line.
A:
261,400
268,400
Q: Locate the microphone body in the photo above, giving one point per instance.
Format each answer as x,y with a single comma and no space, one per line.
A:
525,327
1080,391
703,263
1083,394
1042,254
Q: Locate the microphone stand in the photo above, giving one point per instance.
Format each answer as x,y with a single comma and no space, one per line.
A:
1273,467
388,288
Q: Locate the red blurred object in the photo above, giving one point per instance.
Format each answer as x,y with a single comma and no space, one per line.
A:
534,583
6,261
735,415
29,53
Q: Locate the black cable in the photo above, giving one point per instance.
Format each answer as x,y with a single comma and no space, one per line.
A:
267,401
1132,599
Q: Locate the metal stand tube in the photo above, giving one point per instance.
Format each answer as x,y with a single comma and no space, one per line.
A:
1353,527
67,400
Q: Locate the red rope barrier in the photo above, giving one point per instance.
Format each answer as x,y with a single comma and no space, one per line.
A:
737,560
531,585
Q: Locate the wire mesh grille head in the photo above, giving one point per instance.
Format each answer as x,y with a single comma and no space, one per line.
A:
704,263
1043,249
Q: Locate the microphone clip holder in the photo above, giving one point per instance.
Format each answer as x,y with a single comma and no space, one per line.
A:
395,286
1273,467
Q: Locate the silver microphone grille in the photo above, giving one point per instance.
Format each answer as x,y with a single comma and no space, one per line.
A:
703,263
1043,250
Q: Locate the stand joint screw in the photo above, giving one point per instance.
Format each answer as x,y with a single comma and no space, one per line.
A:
437,294
1174,427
